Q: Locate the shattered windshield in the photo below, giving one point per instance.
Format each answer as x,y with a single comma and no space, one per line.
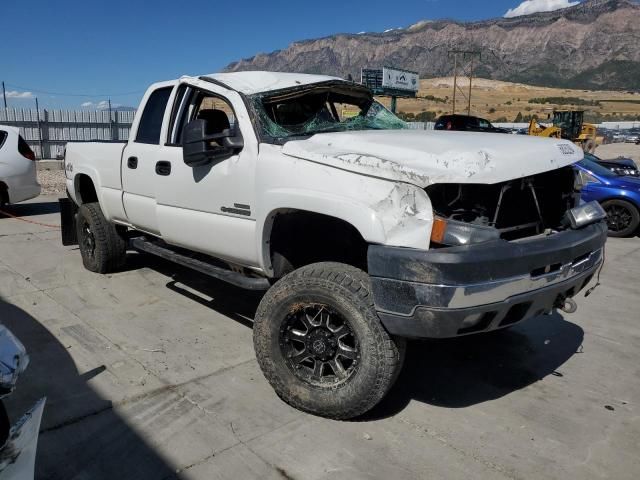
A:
322,108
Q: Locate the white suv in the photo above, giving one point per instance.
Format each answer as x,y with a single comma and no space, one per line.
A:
17,168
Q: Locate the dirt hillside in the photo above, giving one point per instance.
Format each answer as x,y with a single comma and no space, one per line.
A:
497,100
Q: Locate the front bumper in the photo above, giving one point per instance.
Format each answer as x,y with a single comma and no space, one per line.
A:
20,192
476,288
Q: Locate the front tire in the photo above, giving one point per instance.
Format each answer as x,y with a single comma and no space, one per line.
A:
623,217
321,345
102,247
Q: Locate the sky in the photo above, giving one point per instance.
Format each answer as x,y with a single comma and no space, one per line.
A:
78,53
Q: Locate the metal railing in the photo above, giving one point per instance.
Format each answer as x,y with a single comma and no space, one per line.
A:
48,131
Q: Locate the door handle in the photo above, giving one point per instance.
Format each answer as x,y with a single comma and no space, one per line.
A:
132,162
163,168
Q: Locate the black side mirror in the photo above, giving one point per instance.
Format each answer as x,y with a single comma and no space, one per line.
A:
199,148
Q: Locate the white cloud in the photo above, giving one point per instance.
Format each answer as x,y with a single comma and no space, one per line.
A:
16,94
534,6
101,105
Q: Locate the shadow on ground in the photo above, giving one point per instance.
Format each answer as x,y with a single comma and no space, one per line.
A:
453,373
233,302
31,209
460,372
105,447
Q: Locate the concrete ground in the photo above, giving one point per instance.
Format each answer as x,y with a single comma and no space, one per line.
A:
150,374
615,150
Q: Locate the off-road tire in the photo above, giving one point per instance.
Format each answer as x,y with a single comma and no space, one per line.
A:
345,290
632,212
109,246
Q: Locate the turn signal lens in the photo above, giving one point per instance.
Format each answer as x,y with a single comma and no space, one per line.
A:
453,232
438,230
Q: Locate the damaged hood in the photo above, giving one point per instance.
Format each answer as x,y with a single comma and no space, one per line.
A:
426,157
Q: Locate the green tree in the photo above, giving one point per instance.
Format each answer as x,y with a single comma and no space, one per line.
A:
426,117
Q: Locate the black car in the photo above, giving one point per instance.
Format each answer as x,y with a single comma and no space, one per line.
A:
467,123
619,166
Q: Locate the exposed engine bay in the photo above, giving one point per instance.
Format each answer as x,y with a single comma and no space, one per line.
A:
516,208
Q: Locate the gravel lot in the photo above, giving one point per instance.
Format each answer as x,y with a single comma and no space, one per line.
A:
52,181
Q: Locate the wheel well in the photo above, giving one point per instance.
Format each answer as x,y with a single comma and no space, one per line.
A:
300,238
624,199
85,189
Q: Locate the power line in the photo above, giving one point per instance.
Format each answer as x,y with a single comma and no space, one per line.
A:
464,53
28,89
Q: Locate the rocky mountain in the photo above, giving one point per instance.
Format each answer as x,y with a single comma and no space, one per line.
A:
595,44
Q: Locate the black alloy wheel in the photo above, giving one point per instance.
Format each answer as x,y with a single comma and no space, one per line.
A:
622,217
87,239
319,345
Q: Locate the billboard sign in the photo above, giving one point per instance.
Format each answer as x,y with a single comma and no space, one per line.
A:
394,78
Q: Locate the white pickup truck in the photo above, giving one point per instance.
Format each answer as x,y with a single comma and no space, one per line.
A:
362,232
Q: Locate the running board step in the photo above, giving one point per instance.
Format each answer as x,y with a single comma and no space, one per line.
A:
229,276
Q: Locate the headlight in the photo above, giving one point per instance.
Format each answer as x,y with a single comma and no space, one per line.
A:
584,214
582,178
625,171
452,232
578,180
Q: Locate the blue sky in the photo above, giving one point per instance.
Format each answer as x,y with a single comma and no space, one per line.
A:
107,48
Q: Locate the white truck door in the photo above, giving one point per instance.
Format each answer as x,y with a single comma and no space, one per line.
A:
140,158
210,208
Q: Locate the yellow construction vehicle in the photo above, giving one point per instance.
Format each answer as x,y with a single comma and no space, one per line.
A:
570,125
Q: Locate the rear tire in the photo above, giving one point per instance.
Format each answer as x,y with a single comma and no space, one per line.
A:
102,248
321,345
623,217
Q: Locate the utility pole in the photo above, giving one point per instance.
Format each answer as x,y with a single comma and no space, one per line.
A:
470,82
39,129
110,122
4,96
455,80
465,54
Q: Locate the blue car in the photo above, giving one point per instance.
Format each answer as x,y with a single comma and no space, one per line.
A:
620,165
619,195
